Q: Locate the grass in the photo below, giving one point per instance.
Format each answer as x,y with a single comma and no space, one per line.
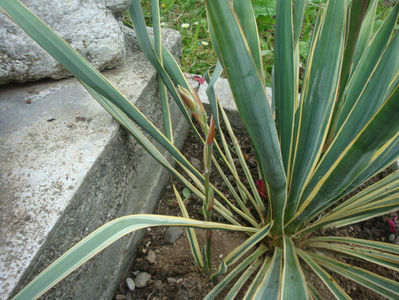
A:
189,18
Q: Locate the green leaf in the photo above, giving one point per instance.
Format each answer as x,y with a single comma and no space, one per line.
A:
326,278
246,17
256,281
167,122
243,248
366,33
229,277
284,93
358,10
101,238
191,235
392,248
357,157
249,94
381,258
299,12
293,283
381,285
269,287
210,91
243,279
362,75
317,99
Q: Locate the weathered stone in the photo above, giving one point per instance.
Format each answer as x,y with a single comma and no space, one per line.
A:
142,279
90,27
151,257
173,233
130,284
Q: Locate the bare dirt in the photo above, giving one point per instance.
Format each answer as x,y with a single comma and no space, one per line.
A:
174,274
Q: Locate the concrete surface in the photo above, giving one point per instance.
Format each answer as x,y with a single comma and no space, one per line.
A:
92,27
67,168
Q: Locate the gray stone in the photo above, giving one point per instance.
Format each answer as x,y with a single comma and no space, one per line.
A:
173,233
171,280
130,284
89,26
181,295
151,257
392,237
60,182
142,279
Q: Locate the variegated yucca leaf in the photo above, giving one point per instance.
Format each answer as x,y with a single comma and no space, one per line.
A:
313,150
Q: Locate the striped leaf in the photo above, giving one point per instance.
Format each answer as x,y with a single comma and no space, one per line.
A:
323,275
258,278
102,238
366,33
191,235
246,17
386,247
243,248
284,93
249,94
357,157
318,96
381,258
270,286
156,22
230,277
293,283
383,286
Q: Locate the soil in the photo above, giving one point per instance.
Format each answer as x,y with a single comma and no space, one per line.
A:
174,274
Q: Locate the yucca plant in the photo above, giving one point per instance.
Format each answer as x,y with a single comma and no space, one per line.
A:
312,148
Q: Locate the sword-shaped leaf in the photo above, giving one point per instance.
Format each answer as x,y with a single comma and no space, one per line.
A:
381,285
293,283
102,238
270,286
317,99
250,96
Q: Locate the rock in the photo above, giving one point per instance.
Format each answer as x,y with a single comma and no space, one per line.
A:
142,279
171,280
181,295
158,284
130,284
89,26
173,233
151,258
397,240
392,237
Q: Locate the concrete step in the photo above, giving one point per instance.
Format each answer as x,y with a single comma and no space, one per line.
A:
67,168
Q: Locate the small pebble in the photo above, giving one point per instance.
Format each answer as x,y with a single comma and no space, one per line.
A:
392,237
171,280
158,284
181,295
120,297
130,284
173,233
142,279
135,273
397,240
151,258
